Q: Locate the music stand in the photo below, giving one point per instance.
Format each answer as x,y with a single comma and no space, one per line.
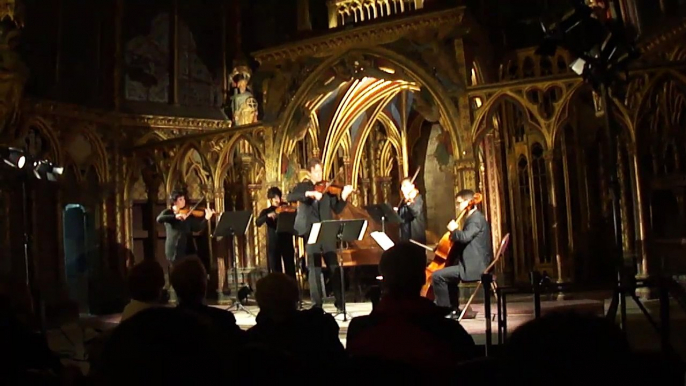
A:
232,224
284,224
383,213
337,231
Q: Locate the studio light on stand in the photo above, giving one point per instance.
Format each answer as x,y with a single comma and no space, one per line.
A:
603,53
13,157
41,170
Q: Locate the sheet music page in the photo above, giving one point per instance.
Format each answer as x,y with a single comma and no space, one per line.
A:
364,229
314,233
382,239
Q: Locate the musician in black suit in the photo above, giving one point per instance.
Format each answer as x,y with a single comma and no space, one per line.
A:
279,245
316,207
475,247
179,229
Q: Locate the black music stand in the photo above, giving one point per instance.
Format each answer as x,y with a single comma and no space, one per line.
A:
337,231
284,224
383,213
233,224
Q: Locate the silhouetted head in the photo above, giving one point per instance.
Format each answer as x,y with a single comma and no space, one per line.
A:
189,279
277,294
145,281
403,269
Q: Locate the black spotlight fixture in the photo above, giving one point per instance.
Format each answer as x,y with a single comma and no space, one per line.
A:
45,169
13,156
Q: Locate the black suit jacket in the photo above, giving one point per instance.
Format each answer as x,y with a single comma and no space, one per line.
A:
176,245
414,224
476,246
311,211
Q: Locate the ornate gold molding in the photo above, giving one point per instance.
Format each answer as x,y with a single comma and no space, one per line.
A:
66,110
665,37
375,34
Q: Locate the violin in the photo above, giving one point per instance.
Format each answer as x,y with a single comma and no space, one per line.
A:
193,211
409,198
198,212
330,187
285,208
442,250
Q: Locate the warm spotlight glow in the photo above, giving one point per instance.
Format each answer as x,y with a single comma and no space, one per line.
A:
387,69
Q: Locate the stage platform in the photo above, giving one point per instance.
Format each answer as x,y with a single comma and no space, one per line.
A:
517,313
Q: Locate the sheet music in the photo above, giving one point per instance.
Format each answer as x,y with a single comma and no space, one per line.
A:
382,239
314,233
363,230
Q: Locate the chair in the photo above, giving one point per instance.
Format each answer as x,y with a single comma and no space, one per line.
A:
489,270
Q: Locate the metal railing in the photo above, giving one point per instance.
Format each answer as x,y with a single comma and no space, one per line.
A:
621,290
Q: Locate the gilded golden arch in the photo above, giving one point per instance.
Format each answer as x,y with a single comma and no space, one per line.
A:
416,72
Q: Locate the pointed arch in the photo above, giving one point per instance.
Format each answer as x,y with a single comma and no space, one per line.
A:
486,111
179,162
459,137
47,132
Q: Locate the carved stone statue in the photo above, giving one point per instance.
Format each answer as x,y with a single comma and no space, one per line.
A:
243,103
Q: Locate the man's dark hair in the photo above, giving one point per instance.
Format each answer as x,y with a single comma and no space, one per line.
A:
145,281
403,267
274,192
189,279
313,162
176,194
465,194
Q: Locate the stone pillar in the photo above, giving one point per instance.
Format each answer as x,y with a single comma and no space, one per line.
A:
385,183
333,13
550,157
304,23
258,243
640,218
246,166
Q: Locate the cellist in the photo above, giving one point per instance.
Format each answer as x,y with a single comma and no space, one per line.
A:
474,242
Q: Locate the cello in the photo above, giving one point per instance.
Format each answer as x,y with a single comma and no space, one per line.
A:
443,249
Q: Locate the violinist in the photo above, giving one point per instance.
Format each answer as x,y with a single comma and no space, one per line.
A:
279,245
316,205
411,211
180,223
474,247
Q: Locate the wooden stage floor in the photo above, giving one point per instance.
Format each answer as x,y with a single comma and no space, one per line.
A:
517,314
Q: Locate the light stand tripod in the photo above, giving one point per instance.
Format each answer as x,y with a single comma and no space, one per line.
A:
231,224
29,268
338,231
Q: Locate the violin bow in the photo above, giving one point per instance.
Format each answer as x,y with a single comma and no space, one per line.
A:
414,177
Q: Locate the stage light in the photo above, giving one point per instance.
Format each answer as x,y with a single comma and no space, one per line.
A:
13,157
46,169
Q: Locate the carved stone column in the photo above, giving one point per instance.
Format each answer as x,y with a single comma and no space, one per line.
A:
373,166
246,166
347,170
385,183
153,190
550,158
640,218
259,238
364,190
465,175
625,192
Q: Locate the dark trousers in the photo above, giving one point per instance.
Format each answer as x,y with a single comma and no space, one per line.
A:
440,281
314,265
285,254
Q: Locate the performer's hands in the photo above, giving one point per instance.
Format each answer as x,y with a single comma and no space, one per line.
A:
452,225
346,192
208,213
182,216
272,215
314,194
